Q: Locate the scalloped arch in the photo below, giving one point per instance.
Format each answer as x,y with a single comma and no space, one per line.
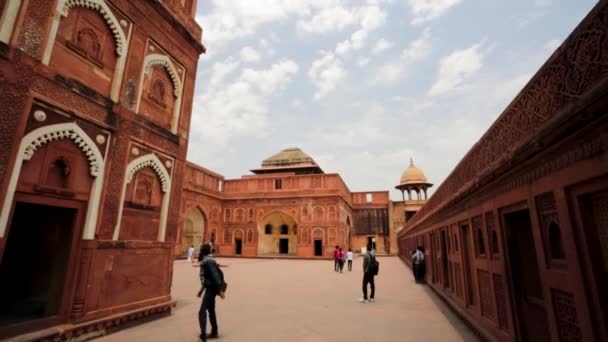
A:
164,61
149,160
38,137
98,5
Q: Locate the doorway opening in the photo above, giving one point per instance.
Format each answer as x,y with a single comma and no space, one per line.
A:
35,262
238,246
284,246
468,262
318,247
371,243
525,277
444,261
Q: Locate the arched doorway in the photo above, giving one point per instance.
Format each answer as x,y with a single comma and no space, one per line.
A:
277,233
194,229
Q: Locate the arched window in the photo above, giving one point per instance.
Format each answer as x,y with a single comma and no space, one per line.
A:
143,192
250,216
58,173
555,242
494,242
226,236
268,229
87,42
239,215
249,235
480,242
227,215
284,229
158,91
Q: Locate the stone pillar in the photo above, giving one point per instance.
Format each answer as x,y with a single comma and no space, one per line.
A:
82,276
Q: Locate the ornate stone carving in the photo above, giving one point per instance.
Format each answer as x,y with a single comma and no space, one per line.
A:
566,316
71,131
152,161
164,61
100,139
135,151
501,302
105,11
40,115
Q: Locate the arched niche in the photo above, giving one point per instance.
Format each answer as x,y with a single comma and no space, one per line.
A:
43,135
149,160
193,229
63,9
155,68
276,242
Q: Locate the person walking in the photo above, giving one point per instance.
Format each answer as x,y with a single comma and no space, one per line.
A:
370,270
336,264
341,257
212,283
418,264
349,258
190,254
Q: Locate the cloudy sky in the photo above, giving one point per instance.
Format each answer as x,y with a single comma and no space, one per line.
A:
363,85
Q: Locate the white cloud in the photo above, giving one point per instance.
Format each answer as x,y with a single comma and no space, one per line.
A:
325,73
330,19
239,107
363,61
416,51
382,45
455,68
427,10
234,19
220,70
250,55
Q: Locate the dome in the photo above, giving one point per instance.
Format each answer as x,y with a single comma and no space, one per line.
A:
412,175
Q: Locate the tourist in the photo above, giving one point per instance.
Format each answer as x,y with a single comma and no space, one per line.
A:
212,282
190,254
418,264
341,256
370,270
336,264
349,257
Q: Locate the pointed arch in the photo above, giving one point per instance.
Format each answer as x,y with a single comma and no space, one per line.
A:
164,61
63,10
40,136
135,165
155,163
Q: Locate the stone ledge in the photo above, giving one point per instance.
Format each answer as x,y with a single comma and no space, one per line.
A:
96,328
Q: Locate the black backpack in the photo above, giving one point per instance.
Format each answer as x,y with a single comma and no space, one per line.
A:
374,265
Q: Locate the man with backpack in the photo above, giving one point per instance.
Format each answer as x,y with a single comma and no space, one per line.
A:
371,267
212,282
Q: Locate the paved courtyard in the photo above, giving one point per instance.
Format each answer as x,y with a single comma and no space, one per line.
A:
305,301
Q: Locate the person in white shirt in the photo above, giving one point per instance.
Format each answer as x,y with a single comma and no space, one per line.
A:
349,258
190,253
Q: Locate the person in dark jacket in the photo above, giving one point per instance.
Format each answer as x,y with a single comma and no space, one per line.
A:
212,283
368,278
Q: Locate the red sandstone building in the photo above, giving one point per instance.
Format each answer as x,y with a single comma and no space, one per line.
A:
96,102
290,207
517,236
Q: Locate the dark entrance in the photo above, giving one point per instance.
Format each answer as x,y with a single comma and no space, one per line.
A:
318,247
284,246
444,261
371,244
525,277
238,246
35,263
468,262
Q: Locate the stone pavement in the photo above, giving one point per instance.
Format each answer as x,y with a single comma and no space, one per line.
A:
305,301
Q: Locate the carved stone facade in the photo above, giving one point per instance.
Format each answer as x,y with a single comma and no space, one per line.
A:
90,186
527,206
289,208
